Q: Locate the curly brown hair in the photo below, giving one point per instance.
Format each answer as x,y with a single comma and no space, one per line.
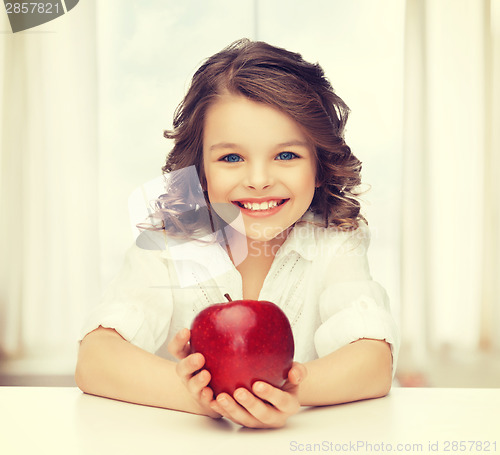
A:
285,81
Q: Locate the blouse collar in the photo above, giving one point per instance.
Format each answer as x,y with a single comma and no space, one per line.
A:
303,237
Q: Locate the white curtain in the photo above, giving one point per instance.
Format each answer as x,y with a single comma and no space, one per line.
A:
48,183
450,252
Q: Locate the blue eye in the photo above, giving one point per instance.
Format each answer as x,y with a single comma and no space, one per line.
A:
287,156
231,158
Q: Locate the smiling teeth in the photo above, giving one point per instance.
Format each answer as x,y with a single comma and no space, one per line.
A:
261,206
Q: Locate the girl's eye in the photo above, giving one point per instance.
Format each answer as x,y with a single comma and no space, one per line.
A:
231,158
287,156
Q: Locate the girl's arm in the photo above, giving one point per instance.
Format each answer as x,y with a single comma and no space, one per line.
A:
111,367
360,370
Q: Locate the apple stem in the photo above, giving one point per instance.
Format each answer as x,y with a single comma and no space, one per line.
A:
228,297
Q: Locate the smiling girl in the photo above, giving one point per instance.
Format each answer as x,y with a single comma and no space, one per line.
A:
264,130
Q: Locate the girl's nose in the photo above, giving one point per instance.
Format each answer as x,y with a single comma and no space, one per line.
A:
258,177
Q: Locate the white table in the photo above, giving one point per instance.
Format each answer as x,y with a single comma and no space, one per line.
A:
43,420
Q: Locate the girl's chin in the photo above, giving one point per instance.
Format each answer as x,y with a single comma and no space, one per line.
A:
259,233
266,233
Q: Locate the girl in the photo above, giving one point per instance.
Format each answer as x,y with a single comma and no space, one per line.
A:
275,219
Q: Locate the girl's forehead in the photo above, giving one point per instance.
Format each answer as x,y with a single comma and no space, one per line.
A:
240,117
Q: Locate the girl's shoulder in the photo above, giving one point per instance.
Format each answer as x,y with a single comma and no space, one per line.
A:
311,239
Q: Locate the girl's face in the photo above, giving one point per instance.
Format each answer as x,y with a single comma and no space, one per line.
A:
257,161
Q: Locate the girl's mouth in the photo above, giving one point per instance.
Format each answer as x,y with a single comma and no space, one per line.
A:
265,208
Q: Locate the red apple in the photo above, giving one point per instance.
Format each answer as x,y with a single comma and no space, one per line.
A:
243,341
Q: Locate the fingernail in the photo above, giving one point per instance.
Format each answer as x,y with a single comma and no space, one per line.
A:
240,394
260,387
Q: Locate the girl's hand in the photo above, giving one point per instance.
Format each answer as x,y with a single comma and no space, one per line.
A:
250,410
190,373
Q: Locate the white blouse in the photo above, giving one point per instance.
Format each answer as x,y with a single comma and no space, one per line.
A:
319,277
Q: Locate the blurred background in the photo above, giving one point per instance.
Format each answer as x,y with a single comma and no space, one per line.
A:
84,102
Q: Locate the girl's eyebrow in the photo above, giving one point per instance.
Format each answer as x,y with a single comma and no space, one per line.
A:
296,143
231,145
223,145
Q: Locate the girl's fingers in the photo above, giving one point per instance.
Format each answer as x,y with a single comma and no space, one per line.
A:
230,409
189,365
189,369
179,346
259,410
206,398
218,409
198,382
266,407
297,373
283,402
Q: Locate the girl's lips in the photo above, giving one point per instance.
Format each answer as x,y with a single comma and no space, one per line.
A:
260,213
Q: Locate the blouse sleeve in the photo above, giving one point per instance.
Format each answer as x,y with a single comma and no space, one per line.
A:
353,306
138,302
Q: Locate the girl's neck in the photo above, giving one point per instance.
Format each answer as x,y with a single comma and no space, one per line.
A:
255,266
256,250
267,248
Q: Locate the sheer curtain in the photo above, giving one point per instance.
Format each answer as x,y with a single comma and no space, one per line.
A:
48,183
450,247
